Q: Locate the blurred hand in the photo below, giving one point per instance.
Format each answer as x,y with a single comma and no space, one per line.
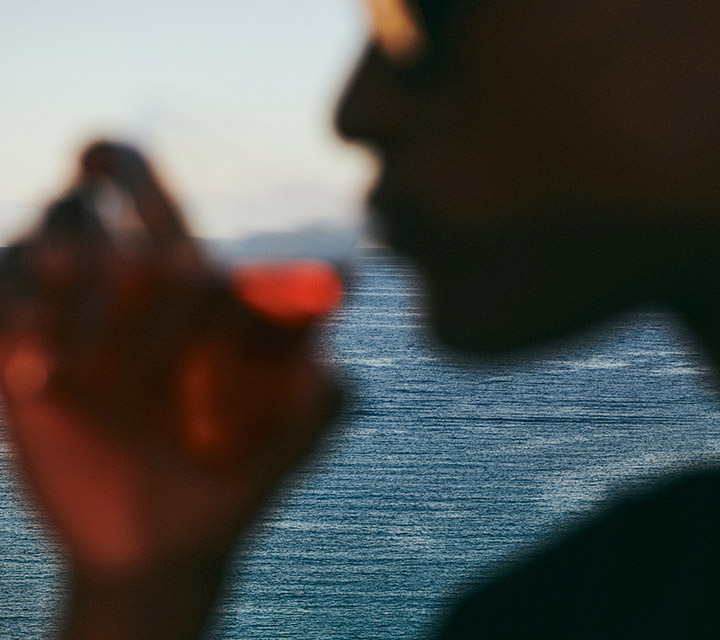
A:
158,436
152,408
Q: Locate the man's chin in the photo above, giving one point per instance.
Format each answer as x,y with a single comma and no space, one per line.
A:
460,315
461,329
512,288
467,315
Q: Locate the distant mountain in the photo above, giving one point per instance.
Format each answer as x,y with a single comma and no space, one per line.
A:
333,244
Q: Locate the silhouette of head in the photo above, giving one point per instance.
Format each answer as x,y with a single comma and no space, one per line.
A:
545,163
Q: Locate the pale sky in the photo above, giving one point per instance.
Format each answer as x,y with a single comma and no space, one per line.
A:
232,98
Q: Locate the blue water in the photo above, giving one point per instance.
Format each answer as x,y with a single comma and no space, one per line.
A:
440,471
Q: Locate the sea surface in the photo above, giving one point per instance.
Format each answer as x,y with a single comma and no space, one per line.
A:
439,471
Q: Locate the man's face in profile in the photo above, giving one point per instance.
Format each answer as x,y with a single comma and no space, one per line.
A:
527,149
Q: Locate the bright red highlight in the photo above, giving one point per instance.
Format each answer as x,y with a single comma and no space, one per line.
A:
289,292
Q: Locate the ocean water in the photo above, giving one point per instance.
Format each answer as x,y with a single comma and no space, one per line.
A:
439,471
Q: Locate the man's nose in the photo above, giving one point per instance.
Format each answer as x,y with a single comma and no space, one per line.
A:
375,107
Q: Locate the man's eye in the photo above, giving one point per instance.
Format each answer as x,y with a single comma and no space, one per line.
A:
397,30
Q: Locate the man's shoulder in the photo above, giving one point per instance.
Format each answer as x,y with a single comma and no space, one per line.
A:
648,565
